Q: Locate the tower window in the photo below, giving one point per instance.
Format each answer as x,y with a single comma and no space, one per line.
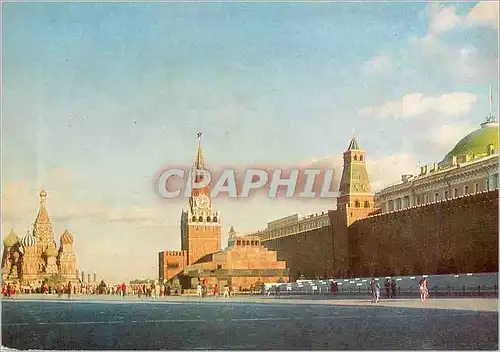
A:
361,158
355,157
194,219
208,218
367,204
466,190
356,203
238,243
455,192
215,218
476,186
200,219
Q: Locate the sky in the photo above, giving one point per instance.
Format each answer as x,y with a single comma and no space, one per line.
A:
97,98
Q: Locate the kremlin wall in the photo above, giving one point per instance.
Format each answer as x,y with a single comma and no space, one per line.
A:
444,220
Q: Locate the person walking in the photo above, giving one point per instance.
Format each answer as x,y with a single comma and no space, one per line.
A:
387,286
393,288
424,292
70,289
226,291
375,291
198,290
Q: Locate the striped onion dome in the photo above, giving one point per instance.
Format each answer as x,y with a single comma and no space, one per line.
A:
29,240
66,237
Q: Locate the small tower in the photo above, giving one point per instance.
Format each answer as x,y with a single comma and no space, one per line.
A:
43,228
356,197
30,262
66,259
11,257
232,237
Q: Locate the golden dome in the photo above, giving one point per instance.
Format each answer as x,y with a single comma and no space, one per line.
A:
51,251
11,239
66,237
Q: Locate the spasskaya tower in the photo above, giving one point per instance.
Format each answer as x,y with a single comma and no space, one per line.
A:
200,226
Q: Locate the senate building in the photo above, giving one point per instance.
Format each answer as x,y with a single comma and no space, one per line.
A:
36,257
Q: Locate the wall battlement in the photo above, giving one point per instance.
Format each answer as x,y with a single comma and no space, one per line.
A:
176,253
454,235
453,202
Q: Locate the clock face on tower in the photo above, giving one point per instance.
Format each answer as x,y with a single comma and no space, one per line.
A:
202,201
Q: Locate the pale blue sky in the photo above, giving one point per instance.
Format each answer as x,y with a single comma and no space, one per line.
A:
96,98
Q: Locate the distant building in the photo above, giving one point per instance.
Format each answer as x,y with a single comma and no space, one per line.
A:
290,225
201,258
470,167
35,257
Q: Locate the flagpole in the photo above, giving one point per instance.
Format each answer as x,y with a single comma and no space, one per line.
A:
491,100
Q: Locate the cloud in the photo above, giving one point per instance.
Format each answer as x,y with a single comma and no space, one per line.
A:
416,104
444,51
474,61
387,170
440,139
442,18
382,170
380,63
484,13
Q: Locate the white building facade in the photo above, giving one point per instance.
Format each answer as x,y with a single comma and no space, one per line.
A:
470,167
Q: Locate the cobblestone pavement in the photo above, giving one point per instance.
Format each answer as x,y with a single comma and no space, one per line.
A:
110,322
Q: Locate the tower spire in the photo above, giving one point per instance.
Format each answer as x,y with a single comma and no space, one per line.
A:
199,163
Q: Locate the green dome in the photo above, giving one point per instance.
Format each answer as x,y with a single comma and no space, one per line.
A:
476,143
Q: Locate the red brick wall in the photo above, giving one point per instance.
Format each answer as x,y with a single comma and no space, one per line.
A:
308,253
172,263
457,235
203,240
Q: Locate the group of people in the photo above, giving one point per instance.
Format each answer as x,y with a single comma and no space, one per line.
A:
390,289
202,290
8,290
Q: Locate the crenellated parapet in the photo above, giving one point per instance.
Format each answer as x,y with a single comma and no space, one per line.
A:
452,235
176,253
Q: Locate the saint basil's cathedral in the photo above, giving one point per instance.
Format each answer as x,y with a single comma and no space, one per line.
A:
35,257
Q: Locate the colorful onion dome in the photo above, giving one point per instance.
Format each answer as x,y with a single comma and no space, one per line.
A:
29,240
66,237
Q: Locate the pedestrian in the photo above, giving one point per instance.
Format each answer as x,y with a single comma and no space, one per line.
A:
226,291
216,290
199,290
375,291
393,288
387,286
424,292
69,289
